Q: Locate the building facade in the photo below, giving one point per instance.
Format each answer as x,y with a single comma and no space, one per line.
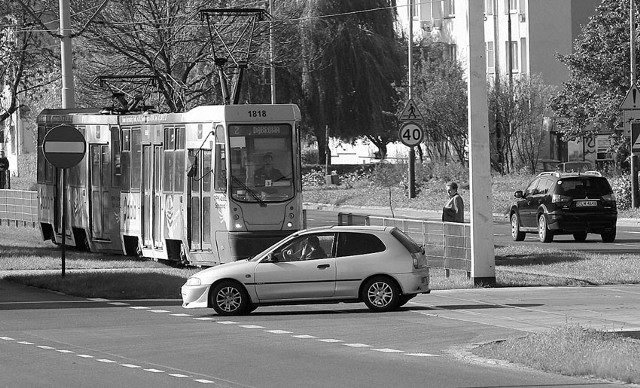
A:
522,38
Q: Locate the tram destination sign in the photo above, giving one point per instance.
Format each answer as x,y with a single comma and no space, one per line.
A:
64,146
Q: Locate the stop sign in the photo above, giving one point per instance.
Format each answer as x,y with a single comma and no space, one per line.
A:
64,146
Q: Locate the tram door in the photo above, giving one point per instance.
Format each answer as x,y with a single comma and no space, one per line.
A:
100,204
200,204
151,195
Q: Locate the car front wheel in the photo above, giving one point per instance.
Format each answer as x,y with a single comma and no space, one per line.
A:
229,298
544,234
516,233
381,294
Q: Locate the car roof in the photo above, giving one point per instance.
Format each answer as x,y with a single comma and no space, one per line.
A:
348,228
559,175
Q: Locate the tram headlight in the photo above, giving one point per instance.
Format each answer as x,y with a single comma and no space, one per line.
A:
238,225
289,225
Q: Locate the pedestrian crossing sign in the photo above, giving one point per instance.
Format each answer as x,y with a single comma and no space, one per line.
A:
410,112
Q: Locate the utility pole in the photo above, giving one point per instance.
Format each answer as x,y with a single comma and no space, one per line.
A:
68,98
482,250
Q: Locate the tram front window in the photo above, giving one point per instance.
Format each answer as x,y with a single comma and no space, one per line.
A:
261,160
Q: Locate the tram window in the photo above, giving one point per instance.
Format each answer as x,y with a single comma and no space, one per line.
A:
115,154
206,170
220,174
136,158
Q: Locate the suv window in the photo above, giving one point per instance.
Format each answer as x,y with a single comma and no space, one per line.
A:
544,186
532,187
584,186
350,244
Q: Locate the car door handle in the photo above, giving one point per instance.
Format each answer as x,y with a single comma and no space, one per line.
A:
323,266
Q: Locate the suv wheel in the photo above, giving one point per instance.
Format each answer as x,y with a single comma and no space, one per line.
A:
516,233
544,234
580,236
609,236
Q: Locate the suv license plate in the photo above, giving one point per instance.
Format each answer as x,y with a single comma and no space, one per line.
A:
586,203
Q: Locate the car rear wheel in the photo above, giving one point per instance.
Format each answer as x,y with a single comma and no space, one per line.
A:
229,298
609,236
544,234
581,236
381,294
516,233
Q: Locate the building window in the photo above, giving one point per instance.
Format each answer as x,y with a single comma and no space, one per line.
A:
510,5
449,8
512,52
488,7
451,52
491,57
523,51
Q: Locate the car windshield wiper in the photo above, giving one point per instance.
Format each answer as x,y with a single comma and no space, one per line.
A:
250,191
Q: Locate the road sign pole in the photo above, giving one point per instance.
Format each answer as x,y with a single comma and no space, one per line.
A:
64,217
412,172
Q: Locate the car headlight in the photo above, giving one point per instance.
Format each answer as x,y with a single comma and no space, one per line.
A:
193,282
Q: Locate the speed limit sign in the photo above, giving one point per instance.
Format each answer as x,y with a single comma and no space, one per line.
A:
410,134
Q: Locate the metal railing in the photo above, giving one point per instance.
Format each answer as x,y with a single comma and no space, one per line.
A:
447,244
18,207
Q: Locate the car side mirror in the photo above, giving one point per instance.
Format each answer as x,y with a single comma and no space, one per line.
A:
518,194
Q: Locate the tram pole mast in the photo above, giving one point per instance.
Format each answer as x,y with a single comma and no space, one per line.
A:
68,99
412,151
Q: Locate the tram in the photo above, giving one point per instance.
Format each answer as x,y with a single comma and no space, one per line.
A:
204,187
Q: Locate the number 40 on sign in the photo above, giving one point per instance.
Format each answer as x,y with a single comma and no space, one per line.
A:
410,134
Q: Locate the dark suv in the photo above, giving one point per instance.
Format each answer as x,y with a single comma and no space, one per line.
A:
565,203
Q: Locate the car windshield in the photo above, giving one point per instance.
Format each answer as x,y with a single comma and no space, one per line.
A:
581,187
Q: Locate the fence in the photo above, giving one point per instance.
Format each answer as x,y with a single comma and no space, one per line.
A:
447,244
18,207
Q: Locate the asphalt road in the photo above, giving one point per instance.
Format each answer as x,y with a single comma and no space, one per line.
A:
52,340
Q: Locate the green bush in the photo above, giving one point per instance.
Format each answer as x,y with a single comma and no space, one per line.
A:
621,186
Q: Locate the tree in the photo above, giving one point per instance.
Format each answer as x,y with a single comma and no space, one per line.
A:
600,76
27,55
350,62
518,109
162,38
441,92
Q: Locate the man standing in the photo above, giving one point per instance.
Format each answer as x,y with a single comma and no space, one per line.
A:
4,170
453,210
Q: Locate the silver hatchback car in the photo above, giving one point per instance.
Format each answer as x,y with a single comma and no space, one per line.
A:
380,266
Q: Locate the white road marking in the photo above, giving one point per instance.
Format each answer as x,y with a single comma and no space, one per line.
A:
387,350
227,322
177,375
132,366
159,311
139,307
118,304
205,319
303,336
279,331
251,326
181,315
330,340
422,355
85,356
203,381
64,351
358,345
105,360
